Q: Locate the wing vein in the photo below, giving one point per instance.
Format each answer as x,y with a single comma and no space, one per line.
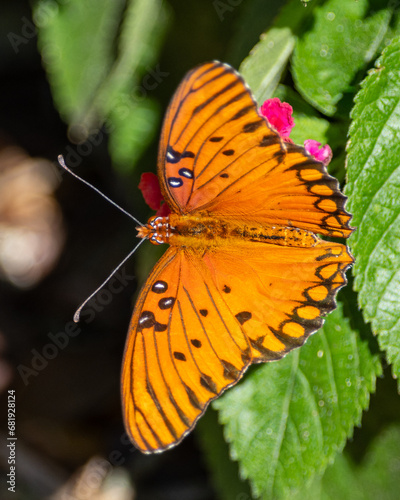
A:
178,409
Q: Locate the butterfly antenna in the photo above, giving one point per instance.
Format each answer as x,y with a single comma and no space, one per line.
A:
78,311
64,166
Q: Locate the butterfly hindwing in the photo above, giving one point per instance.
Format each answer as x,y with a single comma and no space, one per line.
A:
288,290
217,154
194,332
185,347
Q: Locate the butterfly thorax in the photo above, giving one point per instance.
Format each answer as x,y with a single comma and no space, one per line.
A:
201,230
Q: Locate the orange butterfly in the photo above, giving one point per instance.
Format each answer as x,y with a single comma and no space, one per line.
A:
245,279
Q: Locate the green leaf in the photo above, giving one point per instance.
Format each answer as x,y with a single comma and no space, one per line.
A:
132,128
376,477
223,471
295,16
341,42
76,43
262,70
256,16
374,193
394,27
379,472
143,27
286,420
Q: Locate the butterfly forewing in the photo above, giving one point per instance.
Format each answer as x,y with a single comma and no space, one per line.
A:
218,154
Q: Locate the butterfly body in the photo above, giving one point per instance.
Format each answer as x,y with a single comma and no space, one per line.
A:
245,278
207,231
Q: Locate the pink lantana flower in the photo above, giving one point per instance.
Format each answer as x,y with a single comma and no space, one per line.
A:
279,115
152,194
318,151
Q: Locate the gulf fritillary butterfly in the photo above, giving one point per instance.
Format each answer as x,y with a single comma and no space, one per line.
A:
245,278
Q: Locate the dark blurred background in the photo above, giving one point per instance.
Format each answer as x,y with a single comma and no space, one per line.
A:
68,408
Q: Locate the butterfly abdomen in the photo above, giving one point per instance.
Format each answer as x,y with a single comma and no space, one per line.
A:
286,236
201,230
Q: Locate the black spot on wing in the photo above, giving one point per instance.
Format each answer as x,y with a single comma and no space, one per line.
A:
146,320
196,343
252,126
173,156
242,112
208,383
279,155
159,327
246,356
230,370
175,182
194,401
243,316
166,303
185,172
269,140
159,287
179,355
